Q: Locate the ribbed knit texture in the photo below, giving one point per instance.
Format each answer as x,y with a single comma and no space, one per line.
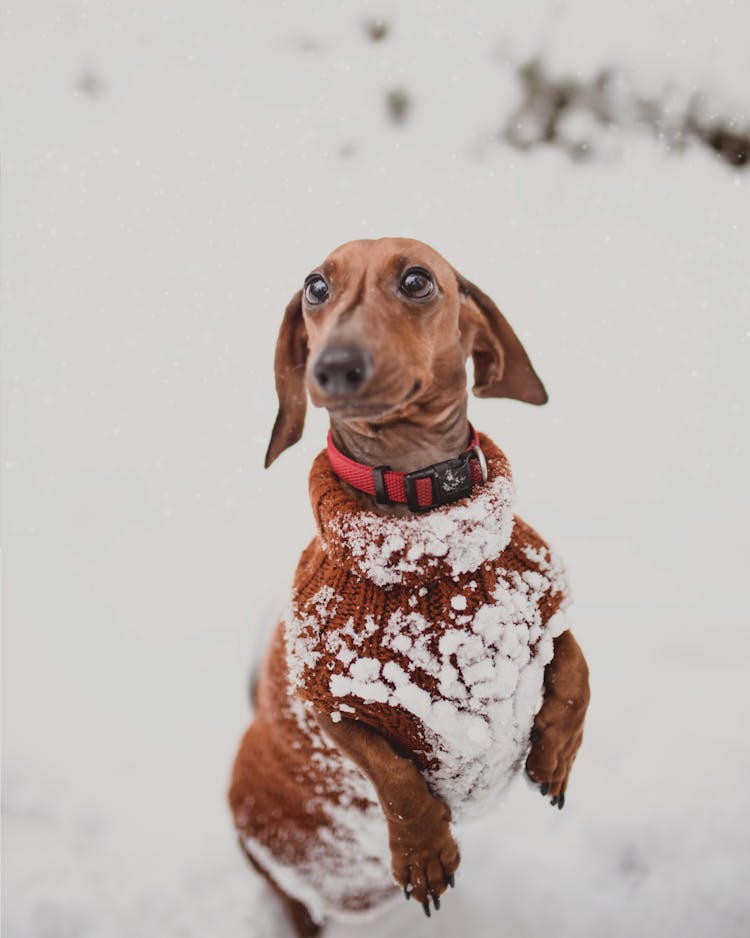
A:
434,630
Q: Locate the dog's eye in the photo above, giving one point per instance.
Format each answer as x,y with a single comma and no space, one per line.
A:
316,290
417,283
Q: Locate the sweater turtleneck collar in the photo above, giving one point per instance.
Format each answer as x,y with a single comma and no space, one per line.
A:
447,541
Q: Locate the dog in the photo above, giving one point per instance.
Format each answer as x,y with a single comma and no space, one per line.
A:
425,658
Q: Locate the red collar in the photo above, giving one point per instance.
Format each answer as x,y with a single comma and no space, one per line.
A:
421,490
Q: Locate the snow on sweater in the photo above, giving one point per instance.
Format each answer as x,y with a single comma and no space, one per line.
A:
432,629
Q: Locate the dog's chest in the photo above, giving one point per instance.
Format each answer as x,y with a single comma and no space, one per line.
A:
434,630
451,671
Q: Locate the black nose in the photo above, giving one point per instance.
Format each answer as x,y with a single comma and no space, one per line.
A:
342,370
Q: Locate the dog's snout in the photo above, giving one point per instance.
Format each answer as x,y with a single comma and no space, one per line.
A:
342,370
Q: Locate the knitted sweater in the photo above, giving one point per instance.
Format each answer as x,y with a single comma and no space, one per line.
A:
432,629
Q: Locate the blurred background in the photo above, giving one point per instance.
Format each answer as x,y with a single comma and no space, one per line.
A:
170,172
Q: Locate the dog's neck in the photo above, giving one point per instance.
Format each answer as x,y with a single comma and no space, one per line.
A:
405,444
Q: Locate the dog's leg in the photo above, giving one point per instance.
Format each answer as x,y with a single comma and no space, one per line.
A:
558,727
424,855
304,924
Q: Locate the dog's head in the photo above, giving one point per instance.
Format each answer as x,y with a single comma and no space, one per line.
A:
381,327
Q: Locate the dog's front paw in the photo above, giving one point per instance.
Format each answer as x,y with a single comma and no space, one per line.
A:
424,855
551,759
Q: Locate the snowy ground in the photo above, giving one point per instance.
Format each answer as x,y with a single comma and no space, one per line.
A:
170,173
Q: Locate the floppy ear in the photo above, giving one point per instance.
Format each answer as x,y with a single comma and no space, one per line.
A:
289,367
501,365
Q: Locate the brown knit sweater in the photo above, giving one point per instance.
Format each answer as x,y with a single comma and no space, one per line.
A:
434,630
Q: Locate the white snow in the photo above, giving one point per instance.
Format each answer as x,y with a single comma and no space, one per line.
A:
151,234
461,536
476,728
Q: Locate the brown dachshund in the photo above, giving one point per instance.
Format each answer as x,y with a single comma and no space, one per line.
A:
425,656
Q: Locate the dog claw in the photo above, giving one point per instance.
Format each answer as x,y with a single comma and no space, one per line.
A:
545,788
426,907
451,880
436,903
554,800
407,894
561,801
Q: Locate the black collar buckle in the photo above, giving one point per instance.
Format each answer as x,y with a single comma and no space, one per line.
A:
451,480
